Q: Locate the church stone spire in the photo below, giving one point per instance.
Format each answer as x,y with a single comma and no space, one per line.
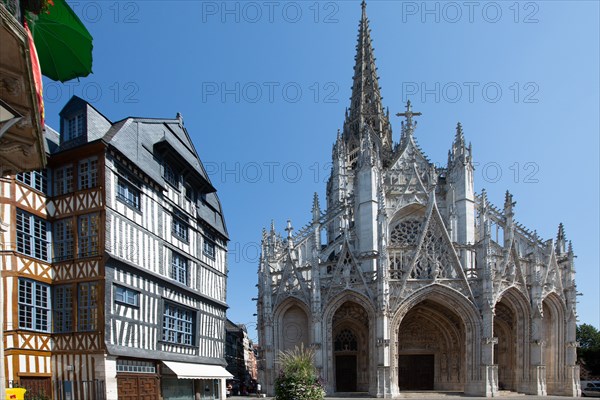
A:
316,209
561,239
460,152
365,104
460,175
459,137
508,205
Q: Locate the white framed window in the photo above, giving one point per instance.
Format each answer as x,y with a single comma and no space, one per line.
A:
34,305
33,236
34,179
208,245
191,194
178,325
171,176
179,268
128,193
88,235
180,227
63,180
62,308
127,296
87,307
88,173
135,366
73,127
63,239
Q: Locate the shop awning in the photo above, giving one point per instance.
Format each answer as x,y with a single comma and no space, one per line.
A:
197,371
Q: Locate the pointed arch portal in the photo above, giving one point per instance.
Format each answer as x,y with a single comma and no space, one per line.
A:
292,325
351,348
443,328
553,338
511,328
431,349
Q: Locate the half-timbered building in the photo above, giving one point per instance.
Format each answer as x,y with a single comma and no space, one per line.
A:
21,117
117,275
27,275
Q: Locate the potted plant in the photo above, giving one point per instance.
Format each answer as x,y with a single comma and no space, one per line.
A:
298,378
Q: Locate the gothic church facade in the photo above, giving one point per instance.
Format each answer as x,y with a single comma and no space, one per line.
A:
409,280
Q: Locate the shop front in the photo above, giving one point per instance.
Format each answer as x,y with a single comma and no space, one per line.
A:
186,381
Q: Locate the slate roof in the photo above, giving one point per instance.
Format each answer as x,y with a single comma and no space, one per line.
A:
51,140
138,139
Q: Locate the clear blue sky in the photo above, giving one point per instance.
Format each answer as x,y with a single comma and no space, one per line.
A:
263,86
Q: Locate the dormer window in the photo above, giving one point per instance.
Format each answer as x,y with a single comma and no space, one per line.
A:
171,176
73,127
190,193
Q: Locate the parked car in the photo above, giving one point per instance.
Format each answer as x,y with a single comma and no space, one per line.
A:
591,390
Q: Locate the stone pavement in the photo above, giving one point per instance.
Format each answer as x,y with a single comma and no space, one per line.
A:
432,396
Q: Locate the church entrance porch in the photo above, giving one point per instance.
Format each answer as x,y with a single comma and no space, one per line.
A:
431,349
511,350
350,348
504,349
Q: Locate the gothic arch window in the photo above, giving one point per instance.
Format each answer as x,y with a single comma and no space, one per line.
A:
346,341
435,259
353,154
406,233
403,242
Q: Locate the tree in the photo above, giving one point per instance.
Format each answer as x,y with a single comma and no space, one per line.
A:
588,336
298,379
589,347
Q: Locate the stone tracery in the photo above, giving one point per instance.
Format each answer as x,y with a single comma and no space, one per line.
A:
443,285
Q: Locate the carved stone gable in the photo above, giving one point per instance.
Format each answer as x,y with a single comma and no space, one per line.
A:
509,272
553,278
292,282
347,275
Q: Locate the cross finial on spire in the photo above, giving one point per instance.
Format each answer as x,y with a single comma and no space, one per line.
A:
289,228
363,4
409,114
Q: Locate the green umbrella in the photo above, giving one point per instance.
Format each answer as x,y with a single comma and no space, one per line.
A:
63,43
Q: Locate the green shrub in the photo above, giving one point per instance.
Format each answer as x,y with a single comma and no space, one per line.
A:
298,378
